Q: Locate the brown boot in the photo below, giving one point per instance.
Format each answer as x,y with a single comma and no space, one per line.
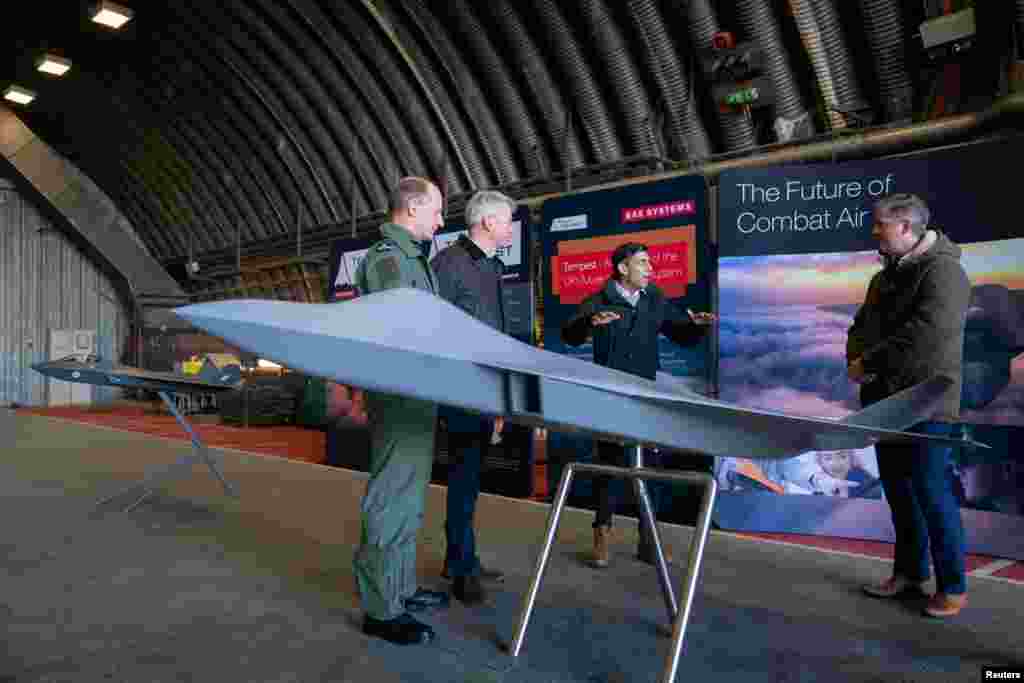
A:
945,605
601,556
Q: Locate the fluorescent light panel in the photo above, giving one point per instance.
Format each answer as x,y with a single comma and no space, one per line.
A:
111,14
18,94
52,64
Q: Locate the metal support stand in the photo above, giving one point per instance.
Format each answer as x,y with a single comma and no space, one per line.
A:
647,517
199,453
638,474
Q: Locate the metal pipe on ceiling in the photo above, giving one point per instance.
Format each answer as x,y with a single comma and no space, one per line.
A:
385,25
822,35
868,143
883,25
541,91
676,85
871,142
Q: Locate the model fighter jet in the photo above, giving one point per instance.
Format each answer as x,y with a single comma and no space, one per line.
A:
408,342
89,369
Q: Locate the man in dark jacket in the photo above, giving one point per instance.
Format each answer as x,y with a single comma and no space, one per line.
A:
469,275
624,318
910,328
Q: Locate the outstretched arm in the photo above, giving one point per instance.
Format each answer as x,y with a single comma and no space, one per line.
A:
685,328
579,327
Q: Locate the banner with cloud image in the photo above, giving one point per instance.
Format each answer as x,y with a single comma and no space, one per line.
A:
796,255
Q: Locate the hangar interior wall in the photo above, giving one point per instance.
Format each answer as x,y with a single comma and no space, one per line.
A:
47,283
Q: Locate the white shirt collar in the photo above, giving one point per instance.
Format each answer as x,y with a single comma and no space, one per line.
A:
632,297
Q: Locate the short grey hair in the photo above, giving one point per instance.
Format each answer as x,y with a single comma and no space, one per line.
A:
904,207
410,192
487,203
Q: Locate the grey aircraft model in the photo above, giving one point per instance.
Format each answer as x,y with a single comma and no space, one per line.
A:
407,342
89,369
411,343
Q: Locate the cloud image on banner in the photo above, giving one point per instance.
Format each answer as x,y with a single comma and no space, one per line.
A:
781,351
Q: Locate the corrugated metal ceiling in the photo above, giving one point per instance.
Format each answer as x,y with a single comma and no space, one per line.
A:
210,122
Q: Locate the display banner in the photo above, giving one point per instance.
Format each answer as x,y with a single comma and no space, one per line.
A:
579,234
796,256
346,255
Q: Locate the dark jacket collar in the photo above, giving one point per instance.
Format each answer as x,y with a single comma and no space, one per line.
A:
478,254
471,248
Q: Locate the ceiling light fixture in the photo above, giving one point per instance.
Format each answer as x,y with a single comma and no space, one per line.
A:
52,64
111,14
18,94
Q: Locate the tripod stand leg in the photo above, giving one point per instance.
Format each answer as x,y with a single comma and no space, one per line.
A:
700,537
542,559
647,516
199,453
199,448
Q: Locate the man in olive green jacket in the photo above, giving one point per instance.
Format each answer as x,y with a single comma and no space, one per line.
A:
909,329
402,433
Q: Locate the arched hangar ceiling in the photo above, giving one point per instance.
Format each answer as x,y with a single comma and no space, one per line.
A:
207,122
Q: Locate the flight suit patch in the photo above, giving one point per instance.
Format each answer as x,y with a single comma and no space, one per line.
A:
387,269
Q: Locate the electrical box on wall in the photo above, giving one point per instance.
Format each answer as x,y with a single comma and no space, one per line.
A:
949,35
737,74
64,343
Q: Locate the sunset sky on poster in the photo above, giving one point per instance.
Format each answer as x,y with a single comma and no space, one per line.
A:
784,323
827,279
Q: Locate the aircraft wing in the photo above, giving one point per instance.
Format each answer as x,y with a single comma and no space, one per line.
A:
408,342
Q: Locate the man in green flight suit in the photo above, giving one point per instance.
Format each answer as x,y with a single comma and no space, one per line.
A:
402,432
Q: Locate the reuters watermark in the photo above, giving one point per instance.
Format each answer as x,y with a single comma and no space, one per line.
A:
1002,673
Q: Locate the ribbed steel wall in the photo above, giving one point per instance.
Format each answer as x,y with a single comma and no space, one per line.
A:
45,283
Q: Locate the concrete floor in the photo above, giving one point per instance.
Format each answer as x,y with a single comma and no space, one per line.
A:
194,586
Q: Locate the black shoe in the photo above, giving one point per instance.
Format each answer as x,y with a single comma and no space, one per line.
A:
423,599
402,630
468,590
486,574
492,575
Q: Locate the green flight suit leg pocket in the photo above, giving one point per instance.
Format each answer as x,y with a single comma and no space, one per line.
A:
392,509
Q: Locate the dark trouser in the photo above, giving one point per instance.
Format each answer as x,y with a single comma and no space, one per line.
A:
924,510
469,436
619,456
